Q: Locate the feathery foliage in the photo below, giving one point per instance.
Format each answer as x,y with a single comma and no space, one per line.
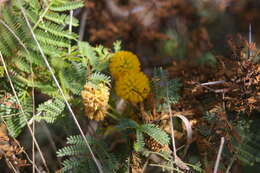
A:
50,110
98,57
79,160
149,129
156,133
98,77
12,115
49,26
165,90
248,149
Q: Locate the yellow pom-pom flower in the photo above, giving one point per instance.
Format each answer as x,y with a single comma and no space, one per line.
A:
133,87
95,100
123,62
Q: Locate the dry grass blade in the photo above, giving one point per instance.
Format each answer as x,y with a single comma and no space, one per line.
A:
213,83
219,154
189,132
177,160
171,124
187,125
249,40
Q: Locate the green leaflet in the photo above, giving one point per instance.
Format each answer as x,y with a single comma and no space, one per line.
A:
87,51
66,6
139,144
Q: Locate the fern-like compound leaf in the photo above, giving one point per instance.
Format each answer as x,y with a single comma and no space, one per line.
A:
57,30
69,164
11,113
50,110
88,52
73,78
77,140
98,77
62,19
67,6
156,133
79,157
47,38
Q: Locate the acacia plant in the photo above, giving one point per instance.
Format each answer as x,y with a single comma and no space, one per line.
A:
48,75
51,81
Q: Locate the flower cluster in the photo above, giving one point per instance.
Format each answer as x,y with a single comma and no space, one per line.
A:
131,84
133,87
95,99
123,62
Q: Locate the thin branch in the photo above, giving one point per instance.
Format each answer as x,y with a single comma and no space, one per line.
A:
83,24
145,164
12,166
48,134
70,28
249,40
231,163
33,112
219,154
172,129
33,149
213,83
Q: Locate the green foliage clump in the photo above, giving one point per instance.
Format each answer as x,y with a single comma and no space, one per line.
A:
175,46
149,129
248,147
79,156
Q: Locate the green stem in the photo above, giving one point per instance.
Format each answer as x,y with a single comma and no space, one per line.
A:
115,112
166,167
113,116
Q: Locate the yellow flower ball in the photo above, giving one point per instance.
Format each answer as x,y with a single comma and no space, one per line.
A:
95,100
133,87
123,62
